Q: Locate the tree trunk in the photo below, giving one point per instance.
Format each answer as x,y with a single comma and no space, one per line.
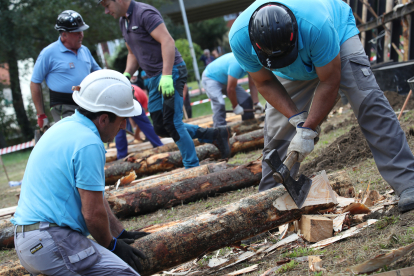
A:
171,160
141,198
239,128
11,58
7,237
178,242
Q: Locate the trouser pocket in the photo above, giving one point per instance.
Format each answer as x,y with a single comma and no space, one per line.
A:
362,72
77,251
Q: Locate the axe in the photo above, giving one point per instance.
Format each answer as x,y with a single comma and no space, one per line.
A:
297,189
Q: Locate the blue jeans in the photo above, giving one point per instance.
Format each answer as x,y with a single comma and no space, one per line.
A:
167,115
145,126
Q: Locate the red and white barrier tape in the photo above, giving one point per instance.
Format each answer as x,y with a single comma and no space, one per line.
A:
17,147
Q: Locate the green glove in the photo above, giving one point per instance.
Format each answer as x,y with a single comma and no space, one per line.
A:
166,85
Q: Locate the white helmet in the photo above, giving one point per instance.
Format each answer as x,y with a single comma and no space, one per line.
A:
107,90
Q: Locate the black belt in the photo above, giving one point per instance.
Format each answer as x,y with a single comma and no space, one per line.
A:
58,98
32,227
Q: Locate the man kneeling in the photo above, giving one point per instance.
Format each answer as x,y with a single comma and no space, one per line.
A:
62,201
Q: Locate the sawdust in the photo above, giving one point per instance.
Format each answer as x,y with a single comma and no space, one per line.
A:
348,149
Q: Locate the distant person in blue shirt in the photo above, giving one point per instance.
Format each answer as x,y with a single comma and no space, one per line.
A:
206,57
220,77
62,64
62,197
301,53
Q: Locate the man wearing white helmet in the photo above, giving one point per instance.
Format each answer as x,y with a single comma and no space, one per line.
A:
62,202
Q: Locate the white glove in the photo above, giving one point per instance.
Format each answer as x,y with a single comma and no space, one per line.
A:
299,118
238,110
303,142
258,108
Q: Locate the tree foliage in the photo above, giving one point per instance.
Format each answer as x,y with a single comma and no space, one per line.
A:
183,47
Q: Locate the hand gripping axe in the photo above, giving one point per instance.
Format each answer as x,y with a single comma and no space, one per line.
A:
297,189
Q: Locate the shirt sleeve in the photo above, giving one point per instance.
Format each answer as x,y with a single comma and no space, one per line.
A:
325,46
151,20
243,51
41,68
89,165
236,71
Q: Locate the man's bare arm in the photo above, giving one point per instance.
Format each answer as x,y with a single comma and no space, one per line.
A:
95,215
253,90
162,35
115,225
231,90
274,93
132,62
37,96
326,92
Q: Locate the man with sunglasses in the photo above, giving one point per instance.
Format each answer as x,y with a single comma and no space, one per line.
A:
299,54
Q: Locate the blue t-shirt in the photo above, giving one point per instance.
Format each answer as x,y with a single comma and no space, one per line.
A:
61,68
221,68
69,155
323,25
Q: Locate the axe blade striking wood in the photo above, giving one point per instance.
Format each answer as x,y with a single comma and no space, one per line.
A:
297,189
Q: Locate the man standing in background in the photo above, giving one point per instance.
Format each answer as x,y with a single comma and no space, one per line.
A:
62,64
151,47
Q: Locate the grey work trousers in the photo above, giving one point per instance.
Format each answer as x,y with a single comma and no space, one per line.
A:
63,251
375,116
62,110
215,91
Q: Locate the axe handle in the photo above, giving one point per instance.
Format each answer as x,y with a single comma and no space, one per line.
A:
292,158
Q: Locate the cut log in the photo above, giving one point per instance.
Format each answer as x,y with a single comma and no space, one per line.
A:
209,231
315,228
171,160
178,176
341,184
239,128
145,198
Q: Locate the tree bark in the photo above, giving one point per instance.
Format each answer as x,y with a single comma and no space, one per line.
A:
141,199
171,160
237,127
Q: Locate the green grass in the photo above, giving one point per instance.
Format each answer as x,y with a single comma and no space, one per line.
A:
15,164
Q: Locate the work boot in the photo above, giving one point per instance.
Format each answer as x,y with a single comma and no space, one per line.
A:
406,202
221,141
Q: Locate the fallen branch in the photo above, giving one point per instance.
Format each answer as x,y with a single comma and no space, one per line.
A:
171,160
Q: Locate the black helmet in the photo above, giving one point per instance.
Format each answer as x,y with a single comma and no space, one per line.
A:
273,33
70,21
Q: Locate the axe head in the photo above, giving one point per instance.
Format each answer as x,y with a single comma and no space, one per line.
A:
297,189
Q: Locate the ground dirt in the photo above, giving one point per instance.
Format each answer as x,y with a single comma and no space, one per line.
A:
340,148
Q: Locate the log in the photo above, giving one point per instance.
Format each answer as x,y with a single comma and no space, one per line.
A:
142,199
178,176
182,241
315,228
7,237
239,128
171,160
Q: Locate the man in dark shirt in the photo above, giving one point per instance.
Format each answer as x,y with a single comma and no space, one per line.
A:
151,47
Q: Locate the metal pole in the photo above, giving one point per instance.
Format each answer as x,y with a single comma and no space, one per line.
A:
190,43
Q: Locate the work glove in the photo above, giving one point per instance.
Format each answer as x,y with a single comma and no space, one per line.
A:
258,108
304,140
238,110
42,120
132,235
127,75
127,253
166,85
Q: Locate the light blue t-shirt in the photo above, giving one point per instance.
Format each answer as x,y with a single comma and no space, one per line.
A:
61,68
323,25
69,155
221,68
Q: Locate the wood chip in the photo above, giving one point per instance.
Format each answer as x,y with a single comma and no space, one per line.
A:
125,180
283,230
381,260
216,262
283,242
315,264
409,271
357,208
338,222
244,270
343,201
345,234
